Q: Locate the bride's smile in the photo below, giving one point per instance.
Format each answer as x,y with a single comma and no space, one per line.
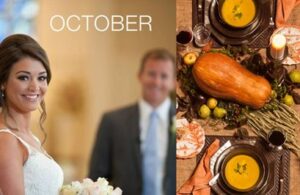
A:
26,85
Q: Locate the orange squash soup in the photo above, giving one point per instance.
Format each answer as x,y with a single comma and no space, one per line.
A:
238,13
242,172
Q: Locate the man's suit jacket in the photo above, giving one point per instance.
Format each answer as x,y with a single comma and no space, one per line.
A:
117,155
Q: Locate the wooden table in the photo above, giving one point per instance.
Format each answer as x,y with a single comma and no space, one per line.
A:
186,167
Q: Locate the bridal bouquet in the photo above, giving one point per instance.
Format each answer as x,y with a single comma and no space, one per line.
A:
88,187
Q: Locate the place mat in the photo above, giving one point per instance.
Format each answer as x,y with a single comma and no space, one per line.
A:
270,156
260,37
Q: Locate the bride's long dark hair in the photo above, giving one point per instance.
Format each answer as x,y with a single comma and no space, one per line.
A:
12,49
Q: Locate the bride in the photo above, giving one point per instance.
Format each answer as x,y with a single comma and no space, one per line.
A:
25,167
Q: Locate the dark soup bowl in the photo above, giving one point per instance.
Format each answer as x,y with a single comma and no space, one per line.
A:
244,170
238,14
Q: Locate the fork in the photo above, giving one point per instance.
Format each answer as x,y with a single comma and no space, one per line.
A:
271,23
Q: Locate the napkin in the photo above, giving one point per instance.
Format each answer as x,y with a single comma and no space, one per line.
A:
198,183
283,11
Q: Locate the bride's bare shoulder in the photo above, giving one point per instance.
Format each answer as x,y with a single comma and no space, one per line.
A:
11,164
8,142
10,147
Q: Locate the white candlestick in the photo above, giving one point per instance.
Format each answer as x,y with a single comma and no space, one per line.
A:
278,43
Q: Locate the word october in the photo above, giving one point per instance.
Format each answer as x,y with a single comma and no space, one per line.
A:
101,23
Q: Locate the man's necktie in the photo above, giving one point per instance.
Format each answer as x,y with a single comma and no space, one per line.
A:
151,185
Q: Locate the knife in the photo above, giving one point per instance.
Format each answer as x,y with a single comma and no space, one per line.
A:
213,183
200,11
281,176
271,12
214,180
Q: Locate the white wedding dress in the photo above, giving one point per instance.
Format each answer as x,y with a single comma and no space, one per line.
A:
42,175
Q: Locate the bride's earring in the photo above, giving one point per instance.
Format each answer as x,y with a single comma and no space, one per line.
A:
1,96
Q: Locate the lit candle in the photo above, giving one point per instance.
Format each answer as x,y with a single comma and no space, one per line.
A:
278,43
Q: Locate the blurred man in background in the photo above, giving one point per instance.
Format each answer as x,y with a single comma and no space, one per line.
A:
135,148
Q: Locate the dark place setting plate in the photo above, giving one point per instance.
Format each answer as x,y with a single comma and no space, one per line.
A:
248,150
255,34
268,161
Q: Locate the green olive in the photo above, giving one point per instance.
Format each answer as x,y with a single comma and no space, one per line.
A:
273,94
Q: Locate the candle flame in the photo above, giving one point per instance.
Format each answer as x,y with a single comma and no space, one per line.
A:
278,41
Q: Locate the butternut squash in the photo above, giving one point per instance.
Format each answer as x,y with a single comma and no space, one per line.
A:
220,76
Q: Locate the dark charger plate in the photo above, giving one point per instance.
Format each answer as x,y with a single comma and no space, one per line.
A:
270,187
246,149
227,35
256,35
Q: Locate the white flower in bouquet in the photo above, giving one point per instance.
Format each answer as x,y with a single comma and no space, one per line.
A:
71,189
88,187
